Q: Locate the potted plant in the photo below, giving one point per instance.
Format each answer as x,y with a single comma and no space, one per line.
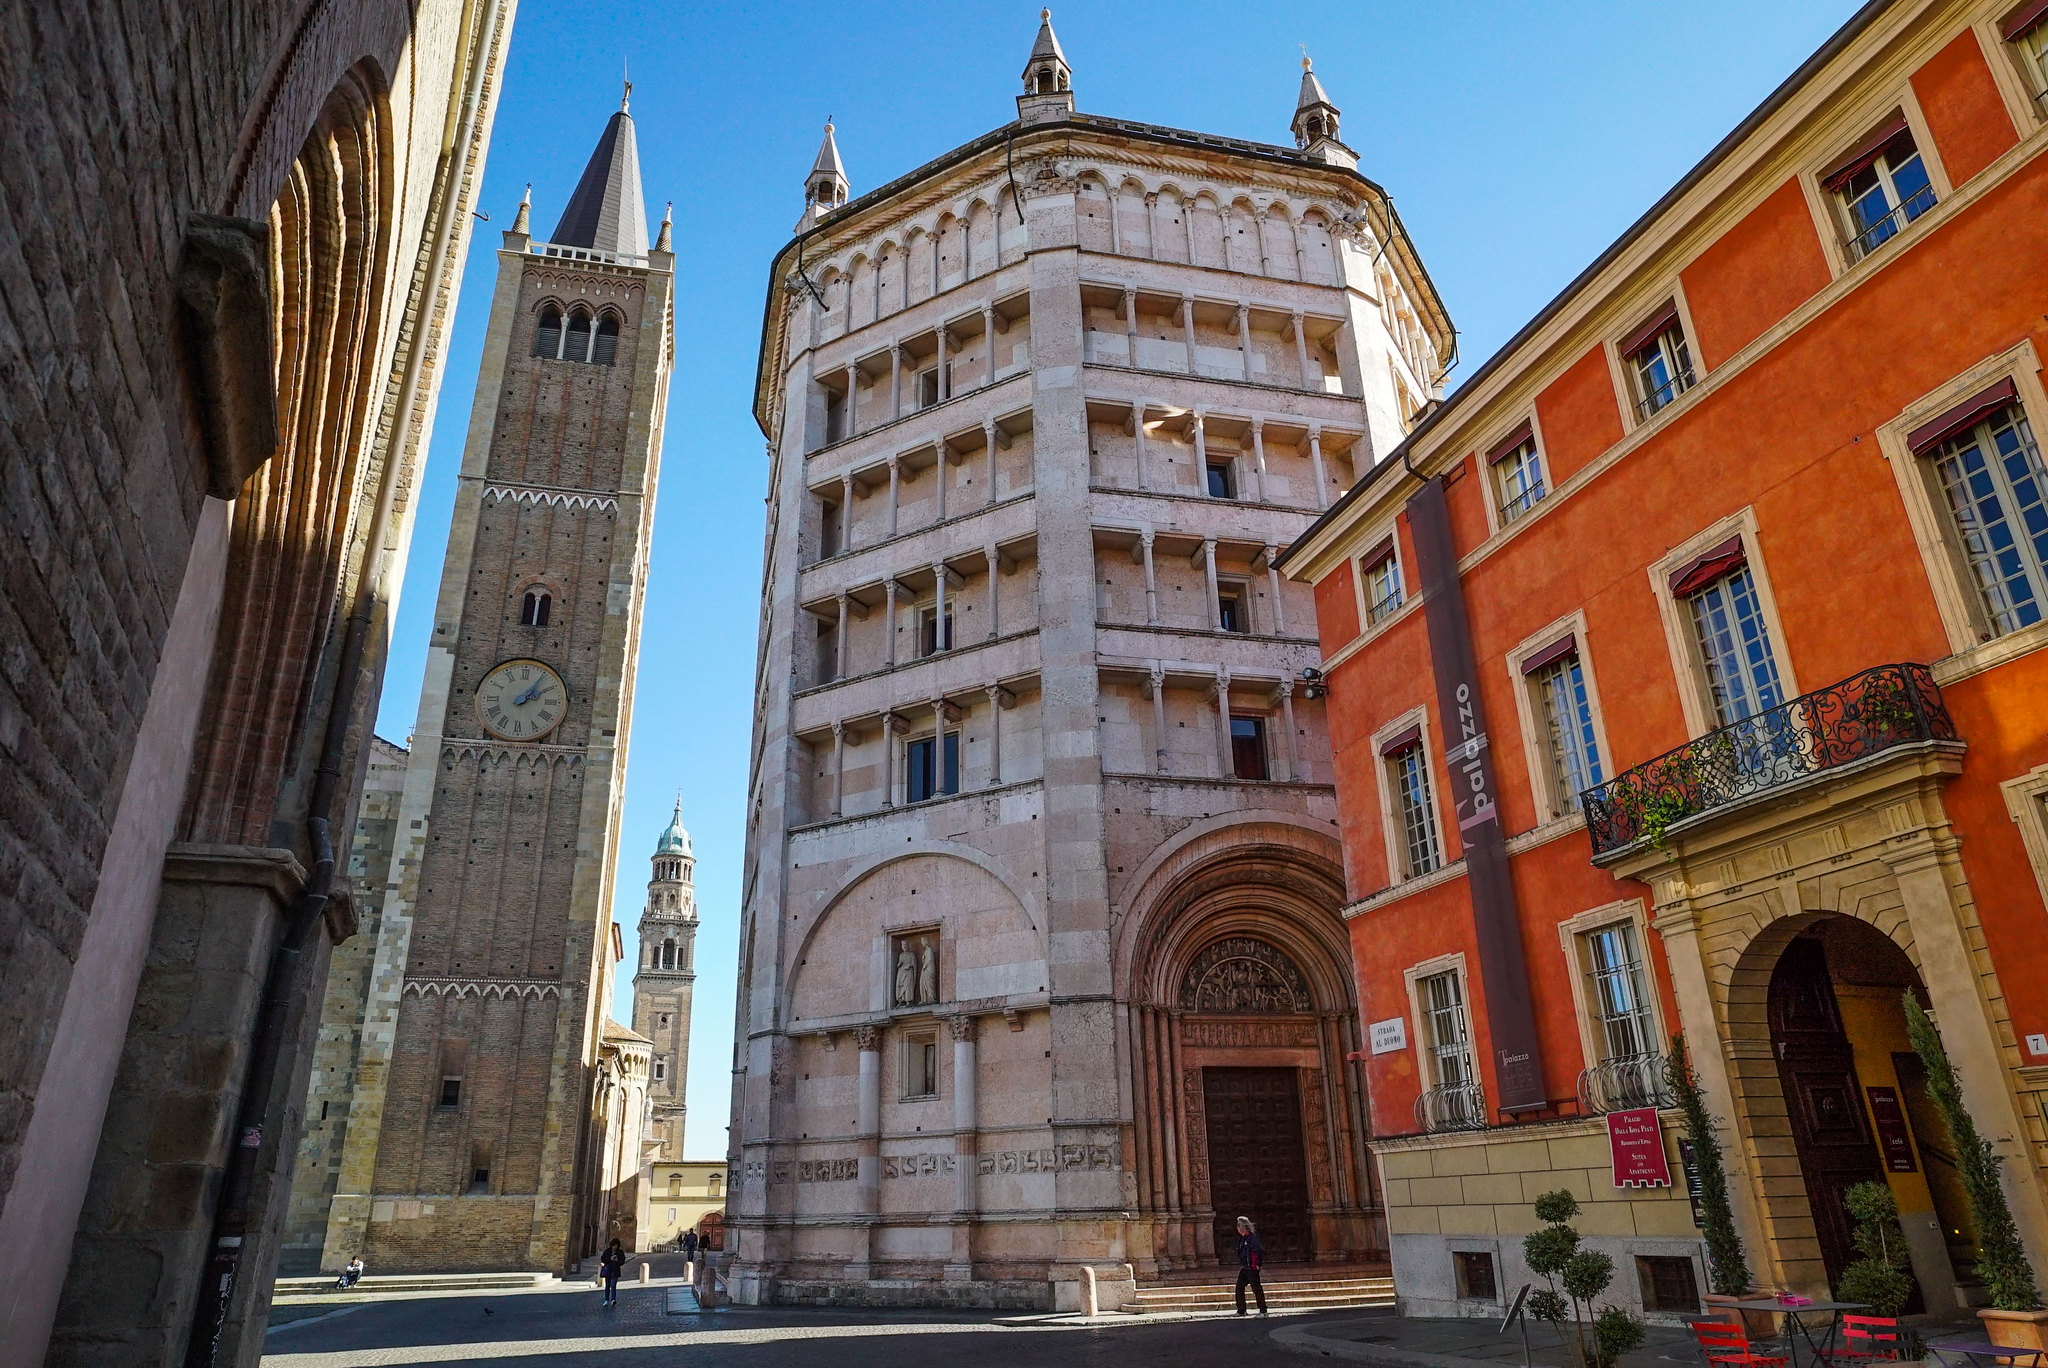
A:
1727,1267
1573,1280
2015,1316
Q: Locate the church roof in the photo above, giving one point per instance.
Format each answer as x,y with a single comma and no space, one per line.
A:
674,840
607,213
828,163
1312,92
1048,44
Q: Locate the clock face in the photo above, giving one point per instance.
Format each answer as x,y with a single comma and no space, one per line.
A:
521,700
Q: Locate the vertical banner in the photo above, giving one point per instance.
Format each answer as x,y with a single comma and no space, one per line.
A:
1503,973
1635,1142
1893,1139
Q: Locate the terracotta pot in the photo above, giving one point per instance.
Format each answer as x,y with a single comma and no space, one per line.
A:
2015,1329
1758,1325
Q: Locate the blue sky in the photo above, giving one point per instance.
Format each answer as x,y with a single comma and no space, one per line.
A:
1518,140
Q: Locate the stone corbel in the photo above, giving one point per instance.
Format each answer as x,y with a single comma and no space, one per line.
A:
1014,1018
1000,696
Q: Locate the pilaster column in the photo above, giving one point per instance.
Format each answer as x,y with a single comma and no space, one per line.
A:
1259,455
988,430
945,386
1152,225
839,645
1244,338
1187,319
896,364
895,481
966,1142
996,693
1288,752
869,1122
846,511
1158,684
1227,767
1315,455
852,397
1131,324
1209,583
1151,579
995,563
940,643
1272,555
1138,430
988,337
1301,350
838,768
1223,215
889,622
1200,429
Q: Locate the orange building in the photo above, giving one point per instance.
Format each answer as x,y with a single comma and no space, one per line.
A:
1685,672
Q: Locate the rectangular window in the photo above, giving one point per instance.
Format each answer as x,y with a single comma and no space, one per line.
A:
660,1069
1221,486
1230,613
929,641
835,417
1735,646
1881,189
1475,1276
1567,715
920,1067
479,1168
1616,994
1518,477
2026,28
1448,1037
1248,747
451,1092
926,387
1661,367
1668,1283
1408,773
1998,496
922,778
1382,580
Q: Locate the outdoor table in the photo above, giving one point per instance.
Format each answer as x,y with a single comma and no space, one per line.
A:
1795,1324
1974,1350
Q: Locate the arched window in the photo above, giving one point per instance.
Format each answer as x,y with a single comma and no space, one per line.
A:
668,954
547,339
576,347
607,340
1045,81
533,609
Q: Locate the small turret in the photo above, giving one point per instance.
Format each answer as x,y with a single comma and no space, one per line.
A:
1315,120
826,188
1048,80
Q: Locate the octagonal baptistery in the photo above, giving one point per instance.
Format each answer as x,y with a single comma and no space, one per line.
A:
1043,980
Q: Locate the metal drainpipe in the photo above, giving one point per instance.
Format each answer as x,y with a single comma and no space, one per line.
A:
232,1217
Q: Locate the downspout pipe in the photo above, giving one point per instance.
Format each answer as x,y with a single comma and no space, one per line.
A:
233,1218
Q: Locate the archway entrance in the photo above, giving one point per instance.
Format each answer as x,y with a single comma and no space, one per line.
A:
1855,1096
1256,1164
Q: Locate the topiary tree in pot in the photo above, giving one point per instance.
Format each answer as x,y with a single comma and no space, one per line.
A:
1573,1280
1727,1267
2015,1316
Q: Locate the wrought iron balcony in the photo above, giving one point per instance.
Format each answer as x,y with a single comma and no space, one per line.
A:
1453,1107
1625,1083
1876,711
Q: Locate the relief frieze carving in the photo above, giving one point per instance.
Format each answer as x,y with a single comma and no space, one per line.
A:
1195,1032
1241,974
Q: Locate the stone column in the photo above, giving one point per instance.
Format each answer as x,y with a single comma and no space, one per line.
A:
1223,216
846,511
939,720
852,399
1259,455
1159,716
1315,455
940,643
889,622
996,694
988,430
1187,323
988,338
1272,555
1289,752
966,1149
1151,579
940,453
1152,225
945,385
1244,338
895,482
1200,429
889,726
1301,351
896,369
838,769
869,1123
1209,583
1131,325
839,651
1138,431
1228,767
995,562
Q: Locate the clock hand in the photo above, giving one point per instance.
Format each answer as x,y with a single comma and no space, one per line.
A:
532,692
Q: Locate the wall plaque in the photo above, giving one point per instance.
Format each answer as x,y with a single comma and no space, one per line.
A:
1894,1140
1635,1140
1389,1035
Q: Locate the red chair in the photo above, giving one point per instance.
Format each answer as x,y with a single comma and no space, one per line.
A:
1723,1343
1867,1339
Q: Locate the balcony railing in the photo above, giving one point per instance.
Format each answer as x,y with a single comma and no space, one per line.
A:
1453,1107
1862,716
1625,1083
1888,227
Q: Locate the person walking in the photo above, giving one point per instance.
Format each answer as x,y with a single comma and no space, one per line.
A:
613,1261
1251,1257
690,1246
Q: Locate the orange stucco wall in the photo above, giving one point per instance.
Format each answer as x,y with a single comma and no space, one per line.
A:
1791,438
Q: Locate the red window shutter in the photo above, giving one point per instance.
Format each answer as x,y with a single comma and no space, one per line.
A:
1965,415
2022,19
1866,152
1508,445
1642,337
1401,741
1704,569
1378,556
1554,652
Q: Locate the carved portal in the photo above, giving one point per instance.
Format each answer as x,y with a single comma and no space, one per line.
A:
1241,974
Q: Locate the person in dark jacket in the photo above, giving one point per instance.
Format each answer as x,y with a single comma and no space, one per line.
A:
1251,1257
690,1244
609,1265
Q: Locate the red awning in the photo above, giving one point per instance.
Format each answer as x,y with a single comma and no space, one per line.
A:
1509,444
1866,152
2022,19
1650,331
1704,569
1555,651
1965,415
1401,740
1377,556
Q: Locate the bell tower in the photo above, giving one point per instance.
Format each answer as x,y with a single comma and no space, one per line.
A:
663,983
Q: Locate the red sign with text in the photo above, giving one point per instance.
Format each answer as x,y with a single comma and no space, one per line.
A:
1636,1141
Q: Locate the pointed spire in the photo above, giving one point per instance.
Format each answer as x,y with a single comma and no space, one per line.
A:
1315,118
1048,80
607,213
662,244
674,840
522,222
826,188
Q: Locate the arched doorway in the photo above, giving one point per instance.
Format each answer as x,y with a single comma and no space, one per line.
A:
1242,1015
1856,1100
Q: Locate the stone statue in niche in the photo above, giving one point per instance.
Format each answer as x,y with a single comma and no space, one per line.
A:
928,974
906,974
917,971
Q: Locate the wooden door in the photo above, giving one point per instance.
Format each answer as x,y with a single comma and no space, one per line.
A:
1818,1072
1257,1166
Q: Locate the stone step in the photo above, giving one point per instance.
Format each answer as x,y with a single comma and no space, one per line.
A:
417,1282
1294,1295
